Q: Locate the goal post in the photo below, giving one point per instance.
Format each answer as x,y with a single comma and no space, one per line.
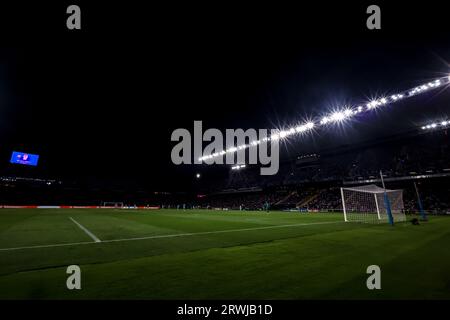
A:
367,204
378,207
343,205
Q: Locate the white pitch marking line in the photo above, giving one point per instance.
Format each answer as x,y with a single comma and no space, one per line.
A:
171,235
219,231
90,234
48,246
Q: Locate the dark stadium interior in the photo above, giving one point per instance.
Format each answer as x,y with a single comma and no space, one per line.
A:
306,182
96,204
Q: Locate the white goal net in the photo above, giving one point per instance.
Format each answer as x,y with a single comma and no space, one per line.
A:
367,204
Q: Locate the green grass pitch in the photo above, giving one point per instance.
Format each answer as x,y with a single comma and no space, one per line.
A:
198,254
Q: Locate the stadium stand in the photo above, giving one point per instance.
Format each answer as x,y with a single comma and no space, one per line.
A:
307,182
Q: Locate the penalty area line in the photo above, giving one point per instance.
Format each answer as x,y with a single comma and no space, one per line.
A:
90,234
168,235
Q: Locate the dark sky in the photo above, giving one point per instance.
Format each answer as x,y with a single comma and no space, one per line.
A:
102,102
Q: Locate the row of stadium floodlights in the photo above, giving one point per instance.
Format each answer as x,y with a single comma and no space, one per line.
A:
340,116
437,125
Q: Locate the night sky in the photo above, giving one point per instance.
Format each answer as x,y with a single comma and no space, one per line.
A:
101,103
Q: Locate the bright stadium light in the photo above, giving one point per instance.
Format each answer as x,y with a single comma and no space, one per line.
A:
324,120
339,116
305,127
275,136
372,104
197,175
395,97
309,125
348,113
380,102
434,125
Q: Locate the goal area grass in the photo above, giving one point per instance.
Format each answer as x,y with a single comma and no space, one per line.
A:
201,254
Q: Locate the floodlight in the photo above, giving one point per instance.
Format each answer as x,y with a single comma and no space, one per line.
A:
341,115
348,112
275,136
309,125
337,116
372,104
324,120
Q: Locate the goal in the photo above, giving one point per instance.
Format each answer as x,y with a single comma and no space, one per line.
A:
368,204
112,204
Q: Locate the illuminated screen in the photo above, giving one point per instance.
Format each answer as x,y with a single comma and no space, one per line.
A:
27,159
